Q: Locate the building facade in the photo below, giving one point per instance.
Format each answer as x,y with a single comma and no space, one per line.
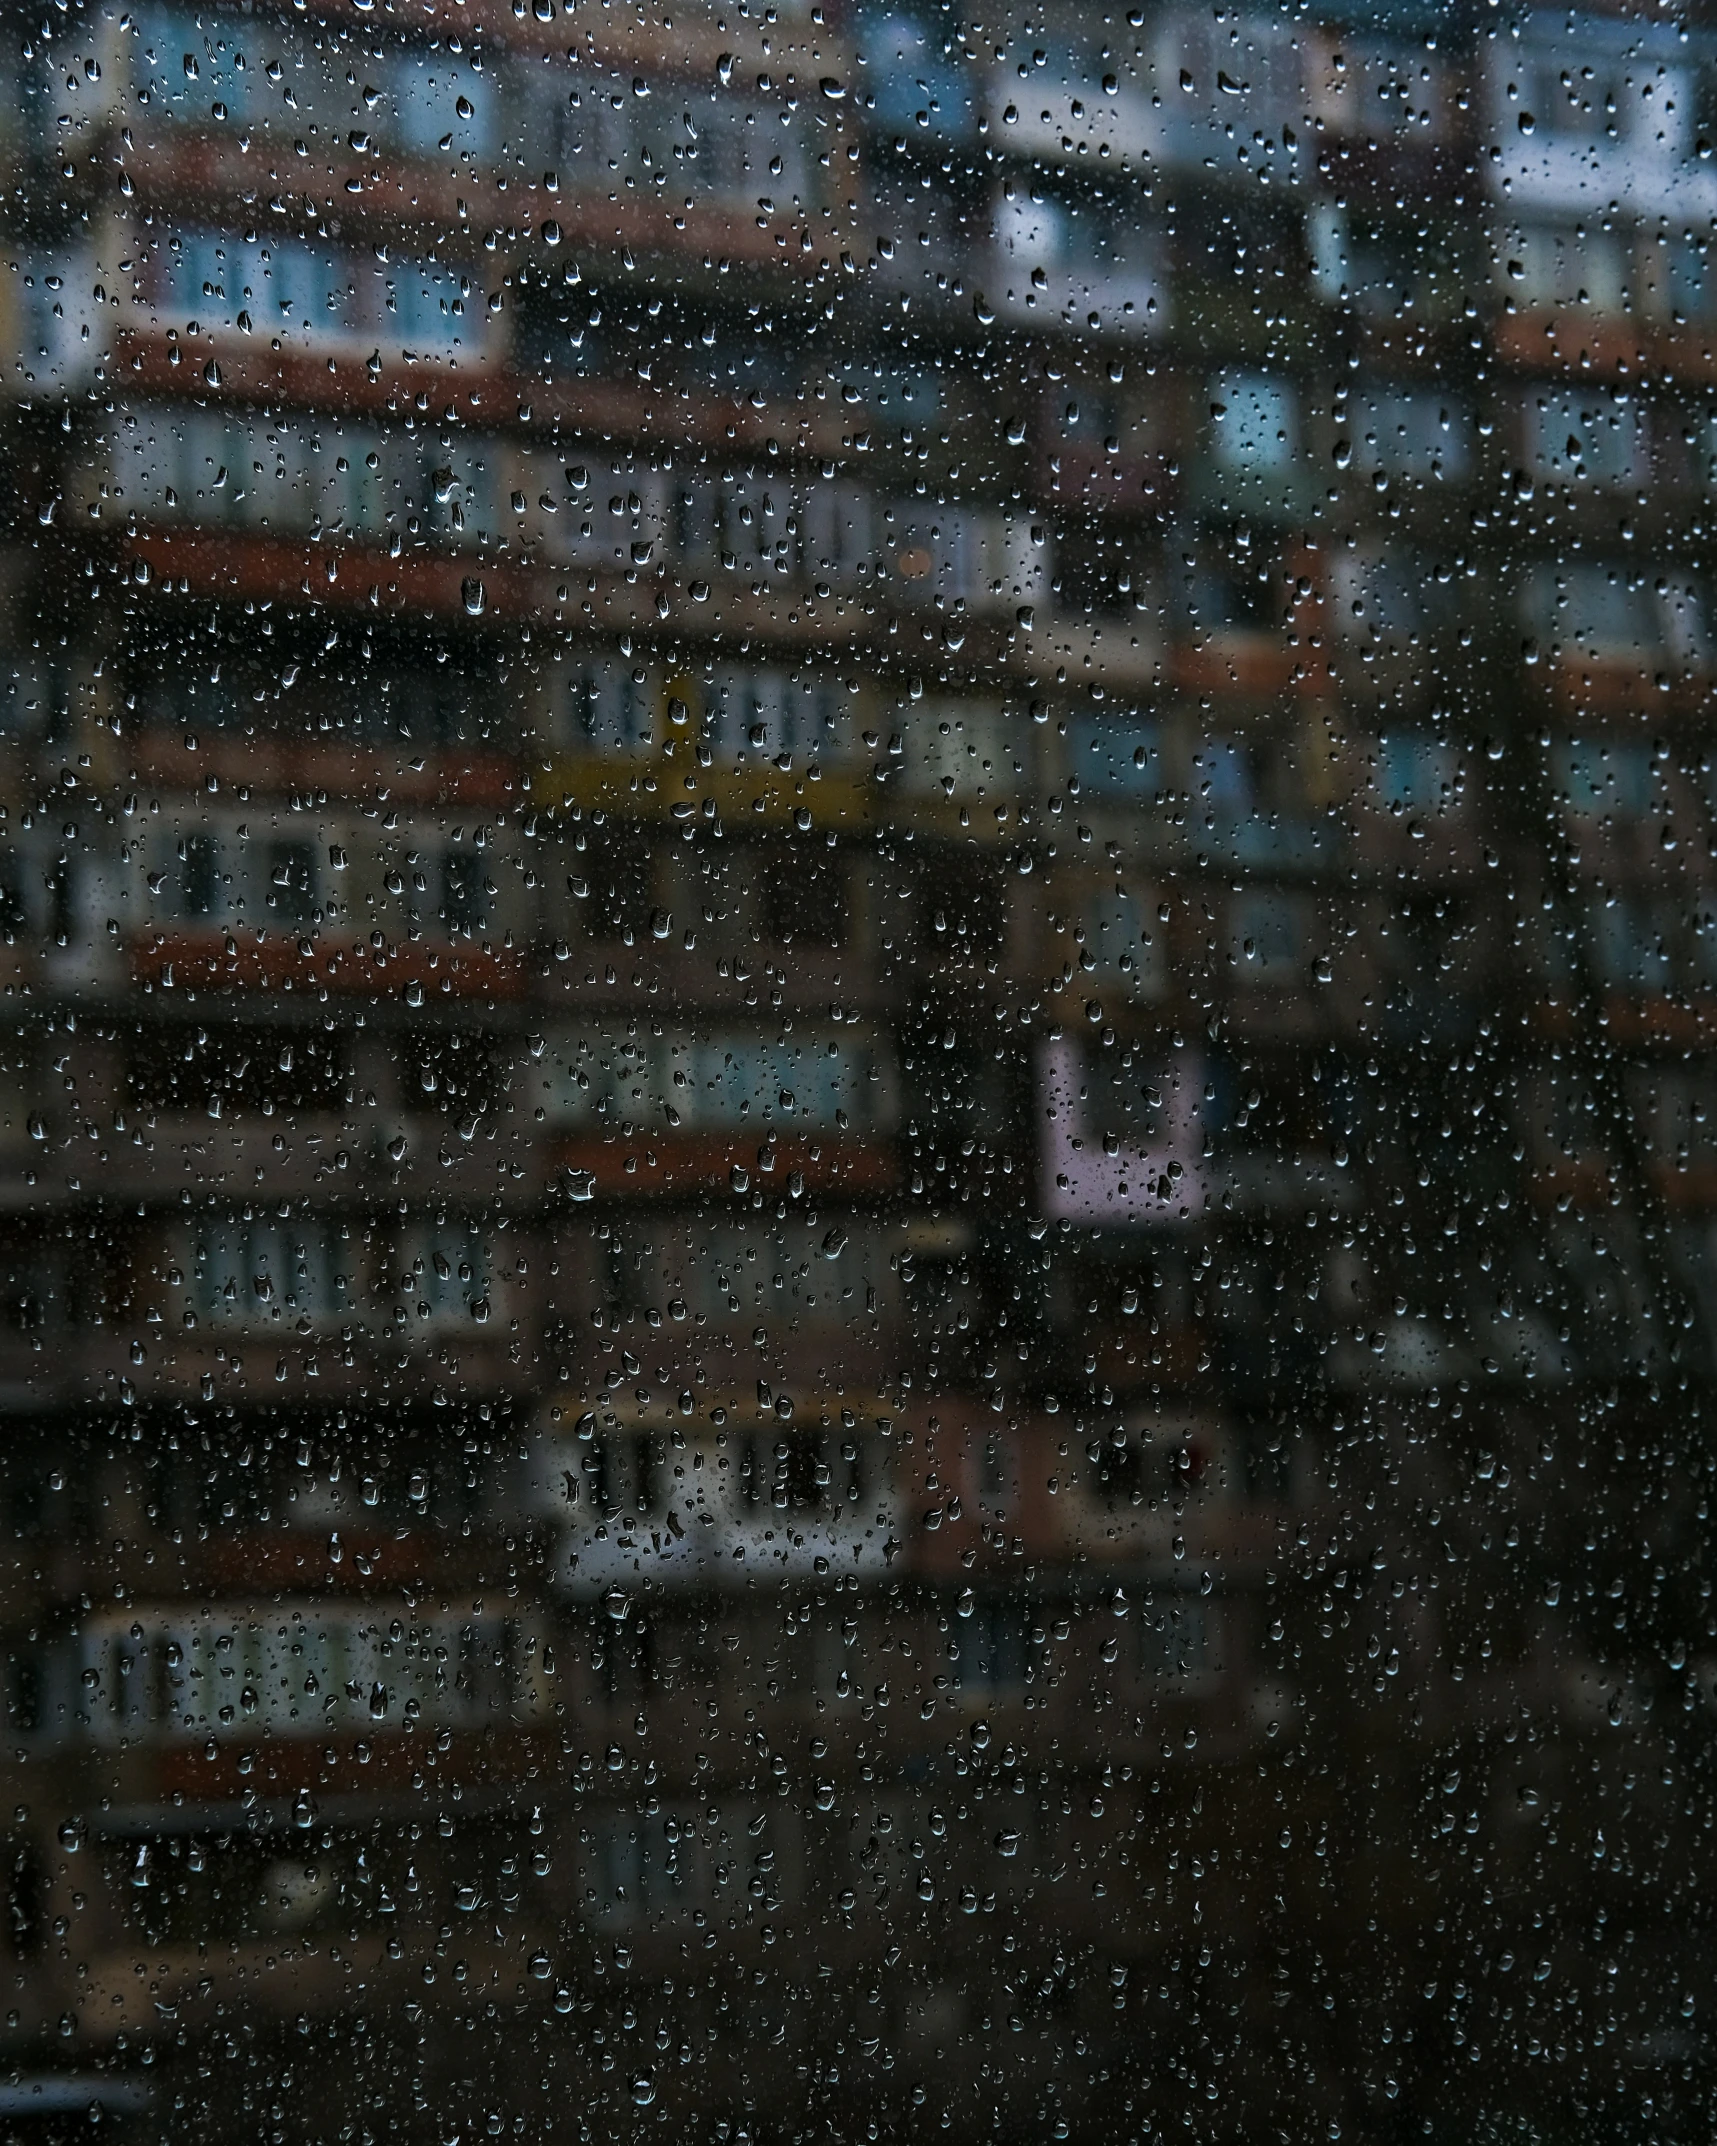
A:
858,895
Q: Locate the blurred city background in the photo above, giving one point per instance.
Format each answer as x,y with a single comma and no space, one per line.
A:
860,1143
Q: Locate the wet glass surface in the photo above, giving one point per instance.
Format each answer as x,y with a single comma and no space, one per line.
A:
857,940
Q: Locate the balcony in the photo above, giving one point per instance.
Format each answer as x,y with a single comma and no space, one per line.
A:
1613,641
427,202
1391,136
1624,125
287,763
1249,453
247,960
802,567
423,148
1148,1498
758,1502
1047,265
496,590
234,1308
1608,304
761,1305
662,789
285,1669
509,391
1198,103
621,1166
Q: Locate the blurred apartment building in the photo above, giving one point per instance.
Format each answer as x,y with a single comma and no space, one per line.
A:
859,1158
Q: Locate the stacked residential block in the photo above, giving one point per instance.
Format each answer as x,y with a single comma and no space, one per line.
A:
858,909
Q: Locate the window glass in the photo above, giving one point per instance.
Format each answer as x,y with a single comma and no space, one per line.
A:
858,960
